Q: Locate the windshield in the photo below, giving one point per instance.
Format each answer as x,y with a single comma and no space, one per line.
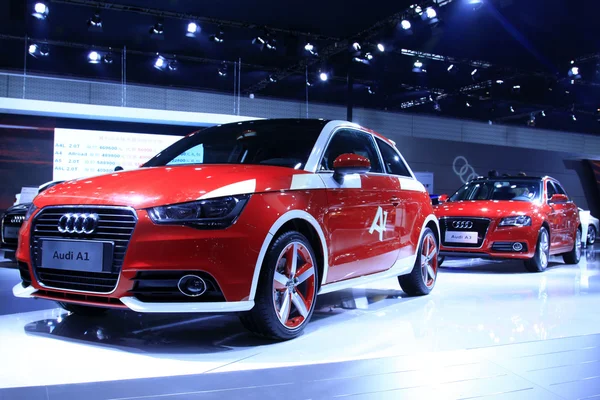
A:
517,190
285,143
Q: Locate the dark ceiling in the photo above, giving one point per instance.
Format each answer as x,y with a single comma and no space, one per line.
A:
527,44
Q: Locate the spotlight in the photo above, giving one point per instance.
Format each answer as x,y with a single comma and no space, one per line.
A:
157,29
474,72
218,37
468,105
574,72
95,23
418,67
418,64
94,57
512,109
543,113
500,82
476,4
573,117
516,89
436,106
222,71
273,78
405,24
380,47
531,121
259,41
361,60
369,56
418,9
450,68
309,83
40,10
309,47
430,13
108,58
160,63
38,50
271,44
356,46
192,29
370,90
323,76
173,65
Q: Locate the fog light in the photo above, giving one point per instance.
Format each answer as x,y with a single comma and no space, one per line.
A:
517,246
192,286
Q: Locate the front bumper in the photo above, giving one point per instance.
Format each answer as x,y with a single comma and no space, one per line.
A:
497,238
227,257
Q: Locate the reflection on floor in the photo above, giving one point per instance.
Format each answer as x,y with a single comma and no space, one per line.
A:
491,313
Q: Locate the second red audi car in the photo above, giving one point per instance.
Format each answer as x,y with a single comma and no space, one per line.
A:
255,217
519,217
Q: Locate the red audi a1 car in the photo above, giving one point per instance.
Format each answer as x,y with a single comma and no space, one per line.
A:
512,218
256,217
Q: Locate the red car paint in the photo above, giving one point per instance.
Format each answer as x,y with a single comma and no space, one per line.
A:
562,221
371,224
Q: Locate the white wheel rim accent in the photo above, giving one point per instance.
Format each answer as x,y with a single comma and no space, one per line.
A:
429,260
578,245
544,249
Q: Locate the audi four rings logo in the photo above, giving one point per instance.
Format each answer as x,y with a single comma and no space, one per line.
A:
462,224
463,169
78,223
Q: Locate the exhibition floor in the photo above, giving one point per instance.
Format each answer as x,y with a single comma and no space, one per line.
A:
488,330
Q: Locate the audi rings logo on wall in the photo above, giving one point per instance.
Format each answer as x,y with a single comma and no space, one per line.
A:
463,169
462,224
78,223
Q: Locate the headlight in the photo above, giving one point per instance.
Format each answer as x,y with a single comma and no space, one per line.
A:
520,220
32,208
216,213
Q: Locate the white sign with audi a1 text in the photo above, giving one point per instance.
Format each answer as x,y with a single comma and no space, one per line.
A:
461,237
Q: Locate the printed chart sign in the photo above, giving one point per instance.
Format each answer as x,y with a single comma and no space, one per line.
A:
79,153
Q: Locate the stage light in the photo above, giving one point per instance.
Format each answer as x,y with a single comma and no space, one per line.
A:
361,60
309,47
33,48
405,24
468,105
418,10
475,1
436,106
323,76
222,71
370,90
516,89
271,44
543,113
273,79
108,58
157,29
38,50
512,109
40,10
94,57
309,83
192,29
356,46
574,72
500,82
218,37
380,47
418,64
430,13
474,72
369,56
160,63
451,67
173,65
95,23
573,117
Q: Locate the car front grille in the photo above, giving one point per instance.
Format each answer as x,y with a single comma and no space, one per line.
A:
479,225
14,221
115,224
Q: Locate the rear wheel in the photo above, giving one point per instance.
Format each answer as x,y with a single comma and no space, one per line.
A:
539,262
591,237
287,289
574,255
424,274
85,311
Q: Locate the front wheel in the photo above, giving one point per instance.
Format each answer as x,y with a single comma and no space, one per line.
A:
574,255
85,311
424,274
591,238
287,289
539,262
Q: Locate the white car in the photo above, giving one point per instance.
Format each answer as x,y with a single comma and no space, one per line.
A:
590,226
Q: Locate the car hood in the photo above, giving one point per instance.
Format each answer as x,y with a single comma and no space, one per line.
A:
150,187
485,208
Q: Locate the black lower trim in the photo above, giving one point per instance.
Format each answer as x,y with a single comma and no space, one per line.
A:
161,287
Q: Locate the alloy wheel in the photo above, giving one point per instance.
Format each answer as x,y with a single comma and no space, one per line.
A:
294,285
578,244
544,249
429,260
591,235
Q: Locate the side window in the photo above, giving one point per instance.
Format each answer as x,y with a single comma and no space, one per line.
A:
195,155
350,141
560,189
551,190
391,160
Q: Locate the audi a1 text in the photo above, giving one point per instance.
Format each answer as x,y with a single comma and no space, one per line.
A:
255,218
520,217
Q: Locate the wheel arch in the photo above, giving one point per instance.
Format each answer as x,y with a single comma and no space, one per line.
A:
304,223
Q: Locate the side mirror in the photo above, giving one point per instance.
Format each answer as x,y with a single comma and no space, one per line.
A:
347,164
118,168
443,198
559,199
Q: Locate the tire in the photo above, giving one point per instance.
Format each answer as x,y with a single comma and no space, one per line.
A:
441,260
424,274
591,238
539,262
574,255
85,311
283,306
